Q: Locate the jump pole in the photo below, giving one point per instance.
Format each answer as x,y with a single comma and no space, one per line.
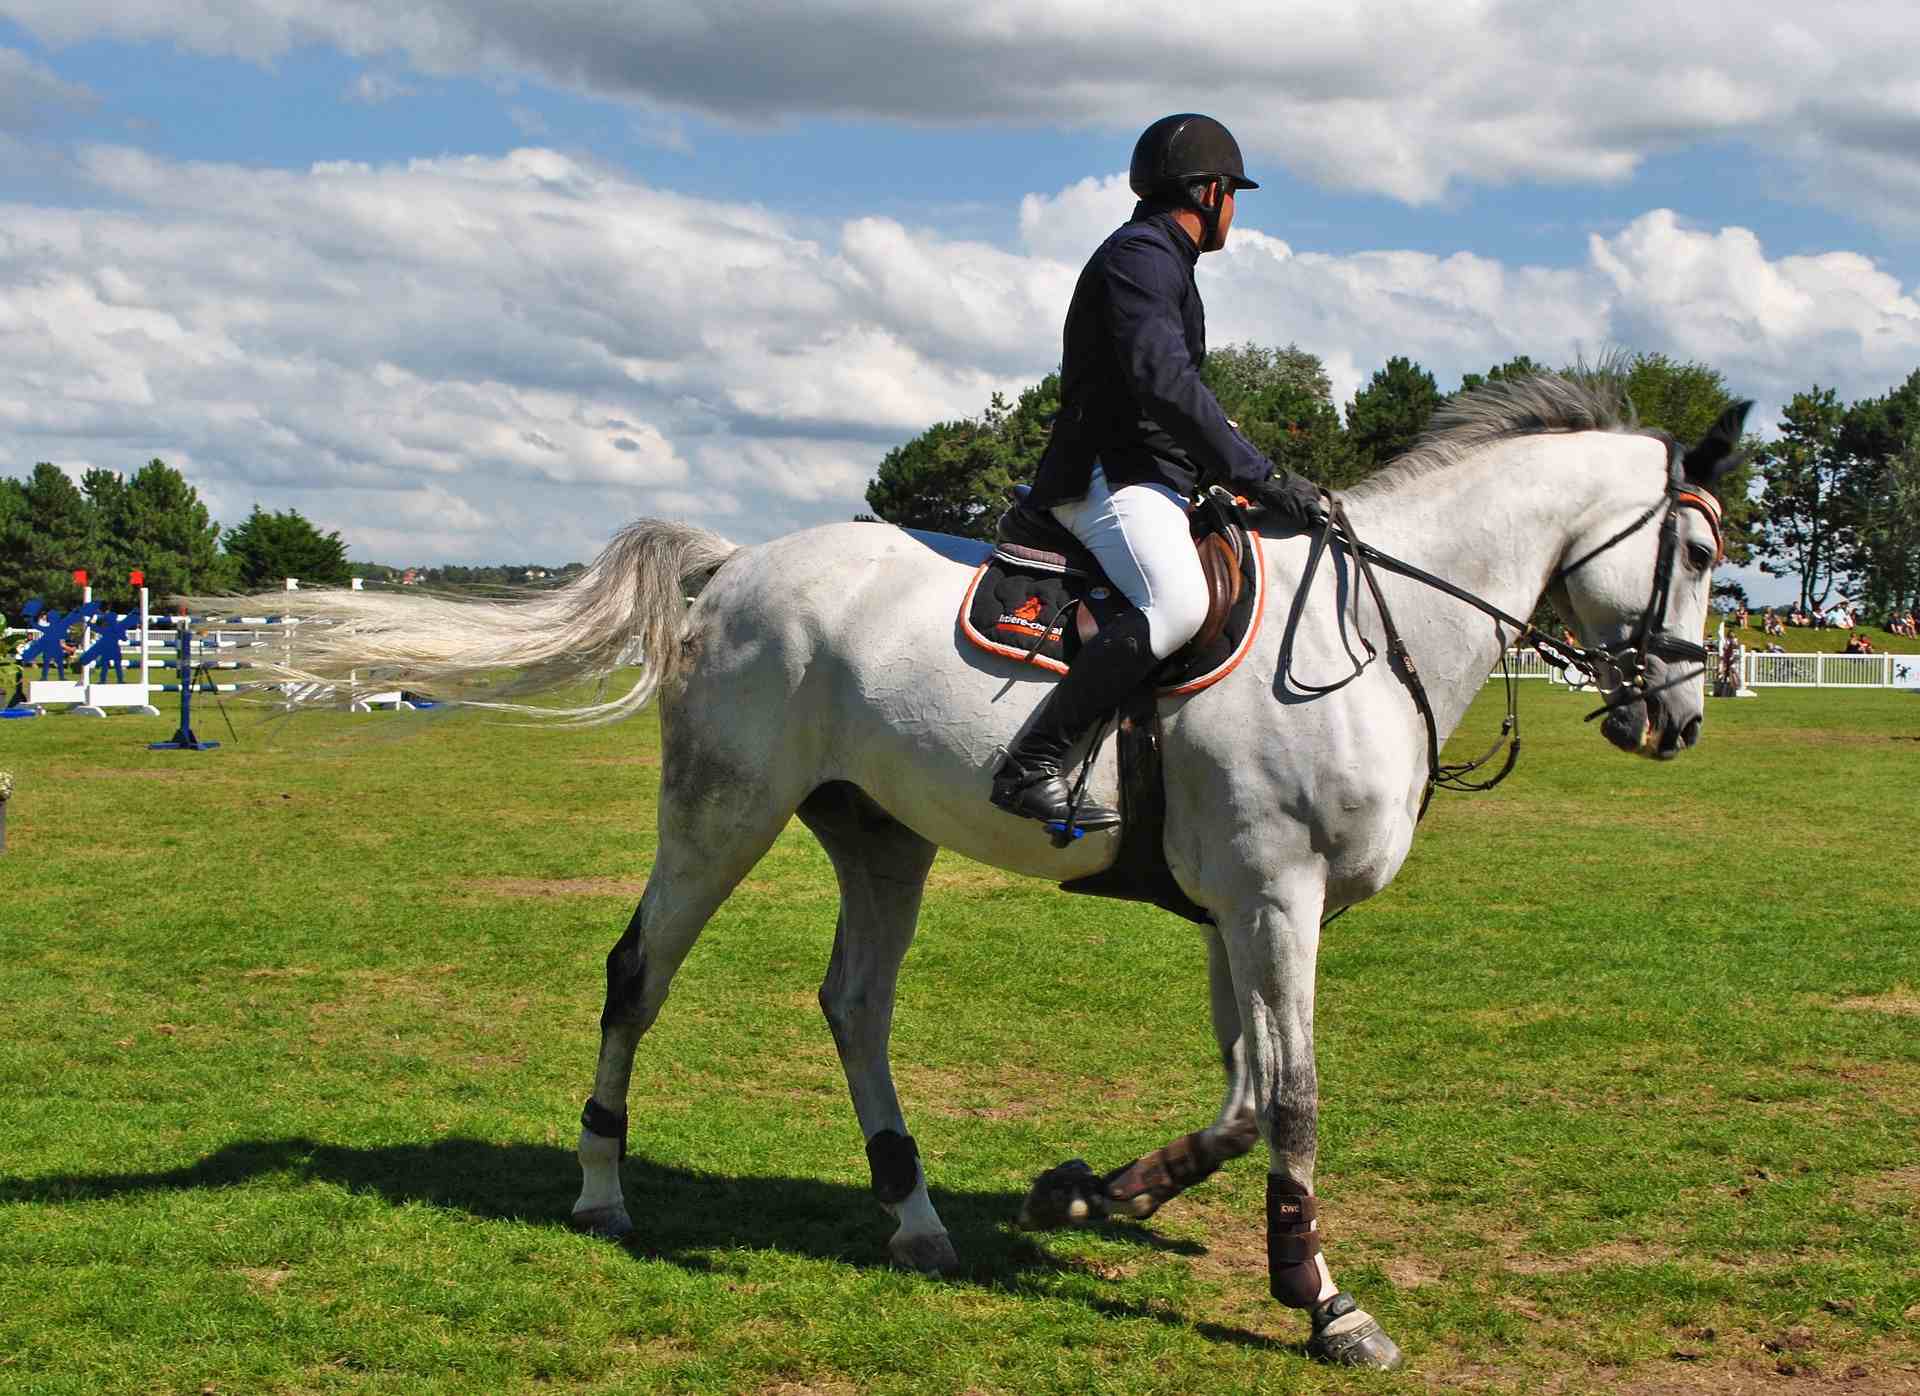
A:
184,740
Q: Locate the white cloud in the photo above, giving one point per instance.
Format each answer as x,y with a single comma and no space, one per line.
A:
30,93
372,89
467,358
1405,99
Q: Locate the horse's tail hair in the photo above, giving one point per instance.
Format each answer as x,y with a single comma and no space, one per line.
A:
627,609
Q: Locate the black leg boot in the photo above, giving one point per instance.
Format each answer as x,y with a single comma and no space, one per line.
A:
1032,780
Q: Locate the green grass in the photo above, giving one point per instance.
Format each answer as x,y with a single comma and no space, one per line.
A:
298,1032
1806,640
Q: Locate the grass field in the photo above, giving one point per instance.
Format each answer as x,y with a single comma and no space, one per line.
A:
1805,640
1620,1084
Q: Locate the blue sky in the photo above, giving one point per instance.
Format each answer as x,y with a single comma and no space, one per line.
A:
469,281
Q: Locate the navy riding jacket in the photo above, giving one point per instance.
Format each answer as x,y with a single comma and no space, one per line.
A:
1130,390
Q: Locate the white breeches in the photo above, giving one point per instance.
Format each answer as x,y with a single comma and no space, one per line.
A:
1139,534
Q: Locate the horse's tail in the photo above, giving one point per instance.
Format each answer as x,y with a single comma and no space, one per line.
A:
627,609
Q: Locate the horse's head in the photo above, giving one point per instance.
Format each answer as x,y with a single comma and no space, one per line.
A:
1638,595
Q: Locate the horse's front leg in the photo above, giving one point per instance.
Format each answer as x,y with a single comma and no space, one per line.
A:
1273,948
1073,1193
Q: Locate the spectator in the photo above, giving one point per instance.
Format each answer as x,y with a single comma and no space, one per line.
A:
1770,623
1741,617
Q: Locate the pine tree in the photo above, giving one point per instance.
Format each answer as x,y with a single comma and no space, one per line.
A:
1388,415
1802,530
268,548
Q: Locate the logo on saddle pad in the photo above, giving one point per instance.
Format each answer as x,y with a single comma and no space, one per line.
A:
1024,618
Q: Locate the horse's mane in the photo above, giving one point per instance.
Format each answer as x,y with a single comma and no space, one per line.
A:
1580,399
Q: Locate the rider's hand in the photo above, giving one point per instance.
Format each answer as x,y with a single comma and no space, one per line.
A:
1295,499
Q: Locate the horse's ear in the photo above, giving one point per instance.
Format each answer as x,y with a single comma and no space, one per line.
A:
1712,456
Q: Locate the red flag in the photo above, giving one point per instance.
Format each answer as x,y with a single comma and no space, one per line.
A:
80,576
137,577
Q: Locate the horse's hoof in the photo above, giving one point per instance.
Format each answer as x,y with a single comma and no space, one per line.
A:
1070,1195
612,1223
929,1253
1346,1335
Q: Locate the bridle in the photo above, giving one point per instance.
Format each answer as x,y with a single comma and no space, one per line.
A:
1628,660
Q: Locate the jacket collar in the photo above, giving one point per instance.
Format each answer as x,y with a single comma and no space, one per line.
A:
1162,217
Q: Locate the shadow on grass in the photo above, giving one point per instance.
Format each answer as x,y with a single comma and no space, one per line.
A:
684,1217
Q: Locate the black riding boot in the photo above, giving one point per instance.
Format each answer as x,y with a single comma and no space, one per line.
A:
1032,779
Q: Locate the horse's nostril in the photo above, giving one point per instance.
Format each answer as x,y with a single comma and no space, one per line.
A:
1691,734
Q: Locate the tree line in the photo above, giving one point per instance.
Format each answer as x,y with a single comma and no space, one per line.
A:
110,525
1835,500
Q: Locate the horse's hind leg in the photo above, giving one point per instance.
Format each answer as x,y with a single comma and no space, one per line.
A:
710,838
1074,1193
882,866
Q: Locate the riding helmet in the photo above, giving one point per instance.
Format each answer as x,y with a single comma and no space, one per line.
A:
1178,149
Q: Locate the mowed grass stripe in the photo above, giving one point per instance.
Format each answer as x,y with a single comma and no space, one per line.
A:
1629,1055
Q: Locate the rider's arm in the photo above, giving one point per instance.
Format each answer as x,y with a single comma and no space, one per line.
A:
1144,285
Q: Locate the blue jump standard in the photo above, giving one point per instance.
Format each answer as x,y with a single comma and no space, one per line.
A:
184,740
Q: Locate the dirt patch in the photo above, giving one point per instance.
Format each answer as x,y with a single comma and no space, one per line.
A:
267,1280
558,886
1904,1002
1411,1272
1781,1375
1613,1253
971,877
1895,1185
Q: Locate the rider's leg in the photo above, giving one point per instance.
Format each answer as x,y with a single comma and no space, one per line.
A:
1139,534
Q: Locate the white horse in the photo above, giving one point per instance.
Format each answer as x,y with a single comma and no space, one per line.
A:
822,674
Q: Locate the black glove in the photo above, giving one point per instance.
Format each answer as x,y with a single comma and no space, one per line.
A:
1294,499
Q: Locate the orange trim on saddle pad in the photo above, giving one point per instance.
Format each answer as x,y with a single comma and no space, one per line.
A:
1022,654
1241,650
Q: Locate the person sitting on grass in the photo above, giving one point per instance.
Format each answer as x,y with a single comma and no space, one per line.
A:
1770,623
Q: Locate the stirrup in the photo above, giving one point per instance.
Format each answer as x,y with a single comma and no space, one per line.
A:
1023,790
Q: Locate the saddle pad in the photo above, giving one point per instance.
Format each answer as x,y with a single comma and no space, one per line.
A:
1023,612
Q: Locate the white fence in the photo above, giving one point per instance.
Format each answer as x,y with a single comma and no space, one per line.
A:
1762,670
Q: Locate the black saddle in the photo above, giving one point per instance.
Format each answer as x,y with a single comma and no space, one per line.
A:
1042,593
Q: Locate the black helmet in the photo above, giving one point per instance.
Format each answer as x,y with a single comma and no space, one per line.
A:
1176,150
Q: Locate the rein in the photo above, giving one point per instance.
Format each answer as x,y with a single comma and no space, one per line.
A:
1628,659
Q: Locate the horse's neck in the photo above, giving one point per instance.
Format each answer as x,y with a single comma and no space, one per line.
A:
1495,525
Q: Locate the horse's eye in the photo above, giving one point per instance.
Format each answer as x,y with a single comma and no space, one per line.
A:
1700,555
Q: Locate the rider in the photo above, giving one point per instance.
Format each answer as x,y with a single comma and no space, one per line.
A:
1137,434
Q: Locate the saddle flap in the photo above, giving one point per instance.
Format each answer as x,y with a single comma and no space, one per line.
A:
1220,560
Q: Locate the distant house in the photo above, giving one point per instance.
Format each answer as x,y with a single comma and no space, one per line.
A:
537,574
412,577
